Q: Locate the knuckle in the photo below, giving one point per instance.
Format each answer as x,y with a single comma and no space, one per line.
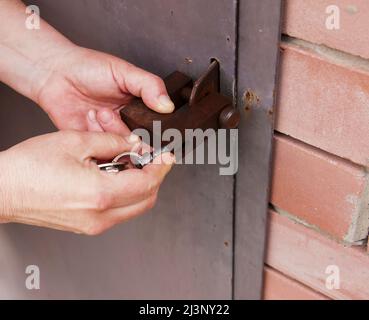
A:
100,200
94,229
152,187
75,138
151,202
151,79
157,80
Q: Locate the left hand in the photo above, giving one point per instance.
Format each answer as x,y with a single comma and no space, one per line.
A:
84,89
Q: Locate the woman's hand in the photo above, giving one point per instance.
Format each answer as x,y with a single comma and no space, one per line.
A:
83,87
80,89
52,181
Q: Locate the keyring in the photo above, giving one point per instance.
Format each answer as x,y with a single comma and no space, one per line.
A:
123,161
132,160
132,156
112,167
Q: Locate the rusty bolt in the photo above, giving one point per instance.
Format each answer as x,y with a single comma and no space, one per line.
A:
229,118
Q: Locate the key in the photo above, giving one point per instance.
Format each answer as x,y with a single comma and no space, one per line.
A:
149,157
131,160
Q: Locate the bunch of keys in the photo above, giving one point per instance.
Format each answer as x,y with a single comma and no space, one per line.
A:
132,160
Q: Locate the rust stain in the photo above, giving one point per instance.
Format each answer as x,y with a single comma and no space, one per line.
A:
250,100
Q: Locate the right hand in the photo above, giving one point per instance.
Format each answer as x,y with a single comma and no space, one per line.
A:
52,181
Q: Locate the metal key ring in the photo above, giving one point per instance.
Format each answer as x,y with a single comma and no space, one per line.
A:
134,157
112,167
123,161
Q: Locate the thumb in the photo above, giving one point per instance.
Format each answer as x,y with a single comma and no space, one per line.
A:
143,84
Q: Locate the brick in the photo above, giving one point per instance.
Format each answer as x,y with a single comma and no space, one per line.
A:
306,19
320,189
304,254
280,287
324,101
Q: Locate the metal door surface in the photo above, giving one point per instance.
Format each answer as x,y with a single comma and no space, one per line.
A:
184,248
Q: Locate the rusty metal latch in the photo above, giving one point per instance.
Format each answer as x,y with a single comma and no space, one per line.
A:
198,104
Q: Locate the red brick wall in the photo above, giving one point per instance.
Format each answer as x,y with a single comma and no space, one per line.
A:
320,186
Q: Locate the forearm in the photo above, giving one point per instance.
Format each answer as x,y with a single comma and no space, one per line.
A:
26,56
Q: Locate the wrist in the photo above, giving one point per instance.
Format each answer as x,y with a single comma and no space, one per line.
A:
46,65
5,194
27,56
27,75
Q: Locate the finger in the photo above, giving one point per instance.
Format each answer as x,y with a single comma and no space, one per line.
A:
160,166
98,223
101,145
110,121
92,123
146,85
119,215
134,185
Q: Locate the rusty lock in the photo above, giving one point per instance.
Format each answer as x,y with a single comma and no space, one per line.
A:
198,104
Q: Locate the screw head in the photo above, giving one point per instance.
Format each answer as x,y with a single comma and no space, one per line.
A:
229,118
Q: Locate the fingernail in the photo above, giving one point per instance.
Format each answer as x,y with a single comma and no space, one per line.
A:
92,115
133,138
165,104
106,116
